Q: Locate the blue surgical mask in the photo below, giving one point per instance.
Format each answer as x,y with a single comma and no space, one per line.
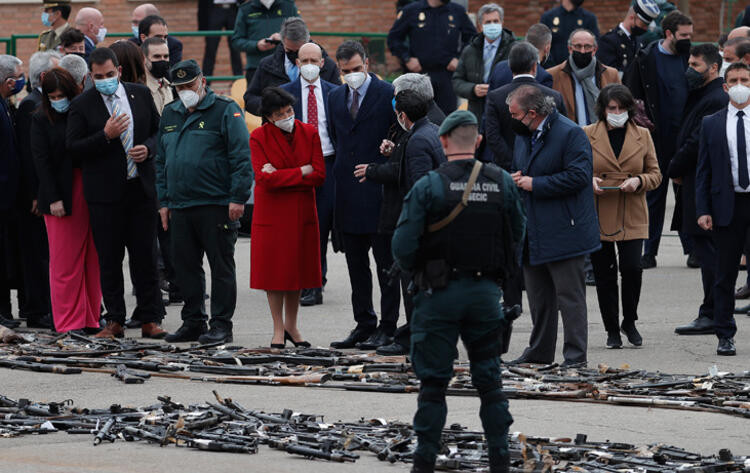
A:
60,106
134,29
18,86
492,31
393,102
107,86
45,19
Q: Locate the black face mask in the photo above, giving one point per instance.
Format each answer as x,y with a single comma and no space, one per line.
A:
682,47
519,127
582,59
694,78
292,56
637,30
445,2
576,3
160,69
81,55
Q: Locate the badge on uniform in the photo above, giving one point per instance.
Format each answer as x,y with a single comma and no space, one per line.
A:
580,22
201,125
237,114
556,21
422,16
450,17
420,25
622,45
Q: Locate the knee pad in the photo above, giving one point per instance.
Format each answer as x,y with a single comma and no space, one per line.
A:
433,390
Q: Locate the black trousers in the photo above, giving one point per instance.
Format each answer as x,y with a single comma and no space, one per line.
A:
34,257
513,290
403,333
705,250
220,18
249,73
730,241
205,230
605,271
325,203
442,84
357,249
128,224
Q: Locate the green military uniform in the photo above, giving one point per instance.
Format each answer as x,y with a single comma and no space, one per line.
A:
50,39
255,22
467,254
203,165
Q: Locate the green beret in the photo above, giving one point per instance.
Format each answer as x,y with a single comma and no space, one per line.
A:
184,72
456,119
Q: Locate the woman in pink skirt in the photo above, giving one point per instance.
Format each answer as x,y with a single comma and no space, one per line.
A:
73,265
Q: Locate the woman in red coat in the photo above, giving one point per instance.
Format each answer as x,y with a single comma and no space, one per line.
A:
285,251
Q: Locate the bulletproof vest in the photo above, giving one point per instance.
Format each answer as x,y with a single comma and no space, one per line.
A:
473,241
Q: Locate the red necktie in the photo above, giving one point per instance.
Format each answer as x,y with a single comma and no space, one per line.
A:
312,108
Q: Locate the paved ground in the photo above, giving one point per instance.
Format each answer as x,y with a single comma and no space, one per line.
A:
671,294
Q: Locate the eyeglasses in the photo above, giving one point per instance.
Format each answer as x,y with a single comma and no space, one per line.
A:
582,47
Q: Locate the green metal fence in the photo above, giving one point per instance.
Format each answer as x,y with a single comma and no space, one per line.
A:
11,42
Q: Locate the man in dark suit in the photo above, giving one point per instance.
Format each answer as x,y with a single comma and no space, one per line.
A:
155,26
706,97
722,195
281,66
497,130
90,22
540,37
112,127
361,114
312,107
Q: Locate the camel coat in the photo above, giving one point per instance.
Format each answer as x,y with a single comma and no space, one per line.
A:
563,82
623,215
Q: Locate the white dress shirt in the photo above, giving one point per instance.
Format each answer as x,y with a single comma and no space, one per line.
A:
121,98
325,140
732,143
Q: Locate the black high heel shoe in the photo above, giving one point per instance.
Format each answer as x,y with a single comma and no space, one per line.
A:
302,344
279,346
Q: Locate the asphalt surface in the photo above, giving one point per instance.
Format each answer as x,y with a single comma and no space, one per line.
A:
670,297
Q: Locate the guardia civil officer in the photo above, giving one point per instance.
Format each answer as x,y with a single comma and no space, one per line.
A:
428,36
457,233
203,177
562,21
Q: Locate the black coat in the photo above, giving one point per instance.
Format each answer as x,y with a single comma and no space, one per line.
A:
497,130
9,162
53,162
272,73
701,103
104,164
29,181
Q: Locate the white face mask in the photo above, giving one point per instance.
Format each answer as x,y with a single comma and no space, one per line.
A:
267,3
724,66
286,124
355,79
739,93
310,72
403,125
101,35
189,98
617,120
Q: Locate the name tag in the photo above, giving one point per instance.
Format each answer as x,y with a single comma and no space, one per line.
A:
169,128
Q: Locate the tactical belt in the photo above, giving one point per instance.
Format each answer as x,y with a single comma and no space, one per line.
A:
461,205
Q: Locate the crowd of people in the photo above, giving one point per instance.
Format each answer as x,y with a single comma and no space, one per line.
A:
554,177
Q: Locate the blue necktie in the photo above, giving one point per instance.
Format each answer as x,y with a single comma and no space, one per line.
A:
744,178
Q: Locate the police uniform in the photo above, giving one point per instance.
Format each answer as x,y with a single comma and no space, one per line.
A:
435,36
562,23
457,268
50,39
203,165
617,47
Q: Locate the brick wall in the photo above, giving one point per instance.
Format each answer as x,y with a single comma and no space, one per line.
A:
330,15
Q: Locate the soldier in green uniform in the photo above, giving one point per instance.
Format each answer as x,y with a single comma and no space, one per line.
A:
203,179
458,233
55,15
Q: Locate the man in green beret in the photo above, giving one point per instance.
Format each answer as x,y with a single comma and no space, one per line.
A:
203,179
55,14
458,233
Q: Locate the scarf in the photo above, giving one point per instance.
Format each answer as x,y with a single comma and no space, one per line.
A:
586,77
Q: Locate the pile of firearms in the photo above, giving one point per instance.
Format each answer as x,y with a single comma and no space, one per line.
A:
225,426
133,362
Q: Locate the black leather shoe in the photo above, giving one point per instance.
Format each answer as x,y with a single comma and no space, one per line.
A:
9,323
216,335
742,292
355,336
133,323
175,297
394,349
524,359
590,280
45,322
726,347
745,309
648,261
632,333
186,334
693,261
573,364
311,297
614,340
422,466
699,326
377,339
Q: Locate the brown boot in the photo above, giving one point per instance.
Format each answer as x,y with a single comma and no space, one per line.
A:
152,330
112,330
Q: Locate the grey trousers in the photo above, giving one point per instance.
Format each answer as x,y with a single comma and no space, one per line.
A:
551,287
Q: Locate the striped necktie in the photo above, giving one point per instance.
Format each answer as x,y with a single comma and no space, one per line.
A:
126,138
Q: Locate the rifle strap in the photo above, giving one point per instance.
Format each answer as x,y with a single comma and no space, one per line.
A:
464,200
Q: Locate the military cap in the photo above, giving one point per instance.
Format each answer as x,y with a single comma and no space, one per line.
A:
646,10
54,3
184,72
456,119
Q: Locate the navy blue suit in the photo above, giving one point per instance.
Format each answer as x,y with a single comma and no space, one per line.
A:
501,75
325,194
729,210
88,47
357,141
